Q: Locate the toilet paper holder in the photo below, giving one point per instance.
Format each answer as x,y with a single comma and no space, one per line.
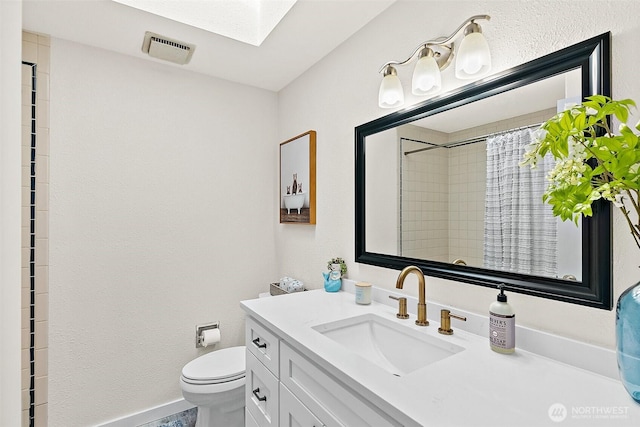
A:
201,328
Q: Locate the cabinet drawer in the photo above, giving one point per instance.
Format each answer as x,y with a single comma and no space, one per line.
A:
293,413
263,345
261,393
248,419
322,394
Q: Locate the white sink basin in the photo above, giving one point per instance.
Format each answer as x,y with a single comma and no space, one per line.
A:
394,347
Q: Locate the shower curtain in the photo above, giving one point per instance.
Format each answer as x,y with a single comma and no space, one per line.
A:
520,231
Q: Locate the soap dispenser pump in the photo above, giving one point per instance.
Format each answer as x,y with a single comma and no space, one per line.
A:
502,325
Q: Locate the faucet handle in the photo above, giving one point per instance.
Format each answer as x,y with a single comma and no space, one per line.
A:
402,307
445,321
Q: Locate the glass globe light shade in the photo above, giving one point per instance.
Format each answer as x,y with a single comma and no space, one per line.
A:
473,57
390,94
426,76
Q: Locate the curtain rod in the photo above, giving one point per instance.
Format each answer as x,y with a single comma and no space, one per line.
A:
466,141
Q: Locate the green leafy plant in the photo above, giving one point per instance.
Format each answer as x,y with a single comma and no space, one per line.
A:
591,161
343,265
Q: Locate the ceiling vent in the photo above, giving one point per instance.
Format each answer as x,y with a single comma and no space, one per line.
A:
162,47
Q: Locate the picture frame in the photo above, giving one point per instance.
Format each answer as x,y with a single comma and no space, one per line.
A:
297,204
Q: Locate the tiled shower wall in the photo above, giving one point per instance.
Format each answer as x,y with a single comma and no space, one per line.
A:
35,233
467,190
444,191
424,200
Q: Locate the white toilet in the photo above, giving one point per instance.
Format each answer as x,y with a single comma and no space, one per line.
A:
214,382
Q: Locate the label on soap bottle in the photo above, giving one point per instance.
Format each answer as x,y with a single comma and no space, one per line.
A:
502,331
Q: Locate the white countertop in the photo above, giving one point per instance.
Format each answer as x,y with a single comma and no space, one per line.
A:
475,387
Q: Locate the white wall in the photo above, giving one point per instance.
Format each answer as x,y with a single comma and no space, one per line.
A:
10,175
159,182
340,93
383,224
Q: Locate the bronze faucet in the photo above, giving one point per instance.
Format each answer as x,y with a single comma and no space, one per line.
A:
422,303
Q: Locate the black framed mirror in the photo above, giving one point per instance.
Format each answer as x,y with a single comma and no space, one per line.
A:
382,230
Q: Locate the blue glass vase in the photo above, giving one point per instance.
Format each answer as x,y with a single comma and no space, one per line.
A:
628,340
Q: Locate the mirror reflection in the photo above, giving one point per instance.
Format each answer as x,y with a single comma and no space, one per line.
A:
448,187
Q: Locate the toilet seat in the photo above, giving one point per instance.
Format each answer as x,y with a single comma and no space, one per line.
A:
217,367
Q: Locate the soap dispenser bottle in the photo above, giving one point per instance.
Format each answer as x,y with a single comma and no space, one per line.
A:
502,325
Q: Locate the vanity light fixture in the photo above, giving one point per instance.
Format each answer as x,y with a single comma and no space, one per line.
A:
473,59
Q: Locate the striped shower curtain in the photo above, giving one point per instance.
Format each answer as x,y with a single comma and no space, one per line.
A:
520,231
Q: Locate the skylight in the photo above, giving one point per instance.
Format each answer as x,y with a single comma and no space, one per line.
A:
248,21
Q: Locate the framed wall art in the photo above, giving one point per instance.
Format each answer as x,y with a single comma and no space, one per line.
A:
298,179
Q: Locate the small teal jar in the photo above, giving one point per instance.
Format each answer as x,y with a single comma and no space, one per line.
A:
628,340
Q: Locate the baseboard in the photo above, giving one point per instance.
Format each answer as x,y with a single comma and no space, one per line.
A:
149,415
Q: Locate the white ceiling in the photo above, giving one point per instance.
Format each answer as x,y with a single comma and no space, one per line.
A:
534,97
308,32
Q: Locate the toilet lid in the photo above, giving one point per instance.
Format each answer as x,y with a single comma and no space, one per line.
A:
223,365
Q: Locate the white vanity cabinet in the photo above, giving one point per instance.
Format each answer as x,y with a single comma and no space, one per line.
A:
261,389
286,389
